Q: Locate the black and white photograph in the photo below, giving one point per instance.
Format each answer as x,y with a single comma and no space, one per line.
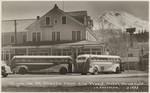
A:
74,46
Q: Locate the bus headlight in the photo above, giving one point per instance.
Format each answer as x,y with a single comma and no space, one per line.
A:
3,69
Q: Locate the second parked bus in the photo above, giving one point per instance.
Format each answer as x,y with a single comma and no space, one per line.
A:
98,63
25,64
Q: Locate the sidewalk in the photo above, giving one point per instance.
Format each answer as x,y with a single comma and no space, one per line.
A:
135,72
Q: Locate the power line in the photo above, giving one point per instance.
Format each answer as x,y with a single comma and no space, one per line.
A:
18,20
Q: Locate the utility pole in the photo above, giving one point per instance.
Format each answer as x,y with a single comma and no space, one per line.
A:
15,23
131,31
15,31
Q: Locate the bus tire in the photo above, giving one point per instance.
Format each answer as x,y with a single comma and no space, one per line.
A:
5,75
117,70
63,70
95,71
83,73
22,71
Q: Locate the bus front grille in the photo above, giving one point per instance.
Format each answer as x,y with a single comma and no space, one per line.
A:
80,66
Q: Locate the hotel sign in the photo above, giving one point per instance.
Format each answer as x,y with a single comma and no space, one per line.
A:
76,46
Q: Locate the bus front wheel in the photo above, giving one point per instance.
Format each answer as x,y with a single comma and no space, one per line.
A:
117,70
5,75
95,71
22,71
63,70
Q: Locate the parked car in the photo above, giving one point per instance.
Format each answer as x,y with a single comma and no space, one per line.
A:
5,69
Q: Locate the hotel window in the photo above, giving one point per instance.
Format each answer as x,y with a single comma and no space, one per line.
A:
63,20
48,21
12,39
55,21
33,36
58,36
38,36
7,56
78,35
130,55
73,35
53,36
24,38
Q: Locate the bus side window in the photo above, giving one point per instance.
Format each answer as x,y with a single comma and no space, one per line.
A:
92,58
38,59
59,60
34,59
56,60
109,59
16,60
24,60
50,60
98,59
28,59
19,59
104,59
65,60
62,60
46,59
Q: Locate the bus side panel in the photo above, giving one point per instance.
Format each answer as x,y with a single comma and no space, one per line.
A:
104,66
55,68
112,68
34,67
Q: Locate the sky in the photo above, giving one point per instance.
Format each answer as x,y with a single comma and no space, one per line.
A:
31,9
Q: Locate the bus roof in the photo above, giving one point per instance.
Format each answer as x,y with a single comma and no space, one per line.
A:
102,56
37,56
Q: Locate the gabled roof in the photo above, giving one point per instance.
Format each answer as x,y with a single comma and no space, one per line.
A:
51,11
67,15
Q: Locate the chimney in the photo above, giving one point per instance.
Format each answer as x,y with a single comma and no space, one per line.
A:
55,6
38,17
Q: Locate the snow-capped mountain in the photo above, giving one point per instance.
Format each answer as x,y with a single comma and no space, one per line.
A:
121,20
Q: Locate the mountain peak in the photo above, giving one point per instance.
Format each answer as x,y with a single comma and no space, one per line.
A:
120,20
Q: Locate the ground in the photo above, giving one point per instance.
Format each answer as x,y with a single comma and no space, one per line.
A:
135,81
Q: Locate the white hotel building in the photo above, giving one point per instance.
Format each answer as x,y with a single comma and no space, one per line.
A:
55,33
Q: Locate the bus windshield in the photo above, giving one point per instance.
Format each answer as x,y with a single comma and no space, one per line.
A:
82,58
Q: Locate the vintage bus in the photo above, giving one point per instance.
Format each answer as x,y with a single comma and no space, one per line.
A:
5,69
98,63
25,64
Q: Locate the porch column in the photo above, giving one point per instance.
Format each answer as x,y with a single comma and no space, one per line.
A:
49,49
90,50
52,50
61,51
76,52
27,51
9,54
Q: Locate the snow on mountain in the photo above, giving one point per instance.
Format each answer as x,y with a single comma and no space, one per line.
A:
121,20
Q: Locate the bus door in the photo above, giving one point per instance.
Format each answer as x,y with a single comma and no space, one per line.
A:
70,65
86,65
74,56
